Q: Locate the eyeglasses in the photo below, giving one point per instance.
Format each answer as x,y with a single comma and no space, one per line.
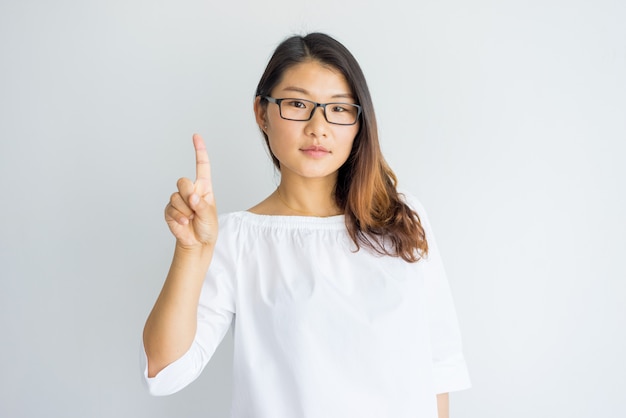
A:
302,110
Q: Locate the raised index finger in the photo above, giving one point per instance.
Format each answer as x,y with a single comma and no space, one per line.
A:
203,167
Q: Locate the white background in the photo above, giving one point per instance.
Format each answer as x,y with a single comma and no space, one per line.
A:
506,118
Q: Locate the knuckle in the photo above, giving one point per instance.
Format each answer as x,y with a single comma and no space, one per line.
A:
181,183
170,212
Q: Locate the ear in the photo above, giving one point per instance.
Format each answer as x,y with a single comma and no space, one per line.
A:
260,113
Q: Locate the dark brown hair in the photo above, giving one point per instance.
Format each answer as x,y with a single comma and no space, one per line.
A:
376,215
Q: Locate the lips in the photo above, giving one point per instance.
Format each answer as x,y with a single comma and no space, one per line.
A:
315,151
315,148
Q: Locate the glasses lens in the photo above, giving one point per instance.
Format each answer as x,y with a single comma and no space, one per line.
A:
296,109
342,113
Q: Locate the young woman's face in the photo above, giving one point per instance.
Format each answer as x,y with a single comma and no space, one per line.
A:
314,148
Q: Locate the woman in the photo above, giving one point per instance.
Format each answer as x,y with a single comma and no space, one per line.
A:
333,283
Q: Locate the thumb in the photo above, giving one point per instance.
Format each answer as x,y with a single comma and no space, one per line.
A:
200,207
194,200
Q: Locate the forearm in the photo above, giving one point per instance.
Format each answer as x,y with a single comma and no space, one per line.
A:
443,405
171,326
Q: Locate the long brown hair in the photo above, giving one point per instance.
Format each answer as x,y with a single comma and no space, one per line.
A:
376,215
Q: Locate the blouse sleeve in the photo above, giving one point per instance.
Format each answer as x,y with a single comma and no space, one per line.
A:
449,367
216,309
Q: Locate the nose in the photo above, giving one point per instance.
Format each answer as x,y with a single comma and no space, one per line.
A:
317,125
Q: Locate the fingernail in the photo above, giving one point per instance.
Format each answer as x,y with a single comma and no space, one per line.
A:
183,221
195,199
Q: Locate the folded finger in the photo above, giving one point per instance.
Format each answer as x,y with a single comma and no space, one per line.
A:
171,213
185,188
177,202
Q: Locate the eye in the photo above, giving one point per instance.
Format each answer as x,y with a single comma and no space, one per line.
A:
295,103
342,107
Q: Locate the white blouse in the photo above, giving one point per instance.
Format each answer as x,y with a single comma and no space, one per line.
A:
322,330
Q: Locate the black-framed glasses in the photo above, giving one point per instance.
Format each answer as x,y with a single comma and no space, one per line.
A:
302,110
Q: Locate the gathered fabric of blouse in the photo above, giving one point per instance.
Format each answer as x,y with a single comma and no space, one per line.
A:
321,330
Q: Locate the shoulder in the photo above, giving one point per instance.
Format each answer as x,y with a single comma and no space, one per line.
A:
416,205
232,235
412,201
229,218
231,226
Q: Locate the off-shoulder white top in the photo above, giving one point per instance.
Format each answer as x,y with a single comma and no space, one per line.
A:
321,330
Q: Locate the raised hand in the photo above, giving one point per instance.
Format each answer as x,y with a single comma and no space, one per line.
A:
191,213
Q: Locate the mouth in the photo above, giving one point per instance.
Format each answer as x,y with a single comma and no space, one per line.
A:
315,148
315,151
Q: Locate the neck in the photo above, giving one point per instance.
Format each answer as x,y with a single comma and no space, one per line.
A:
316,198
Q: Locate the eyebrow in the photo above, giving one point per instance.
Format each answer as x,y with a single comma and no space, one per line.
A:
304,91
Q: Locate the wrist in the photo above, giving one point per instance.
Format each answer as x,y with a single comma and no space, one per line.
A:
198,251
191,261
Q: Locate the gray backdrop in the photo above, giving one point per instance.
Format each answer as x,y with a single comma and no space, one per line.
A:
507,119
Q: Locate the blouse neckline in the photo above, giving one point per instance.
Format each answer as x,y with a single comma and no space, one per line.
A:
292,221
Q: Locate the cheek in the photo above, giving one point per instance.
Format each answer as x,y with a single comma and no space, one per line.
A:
280,128
347,152
279,143
349,141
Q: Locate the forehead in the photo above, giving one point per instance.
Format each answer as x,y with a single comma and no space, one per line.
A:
313,79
